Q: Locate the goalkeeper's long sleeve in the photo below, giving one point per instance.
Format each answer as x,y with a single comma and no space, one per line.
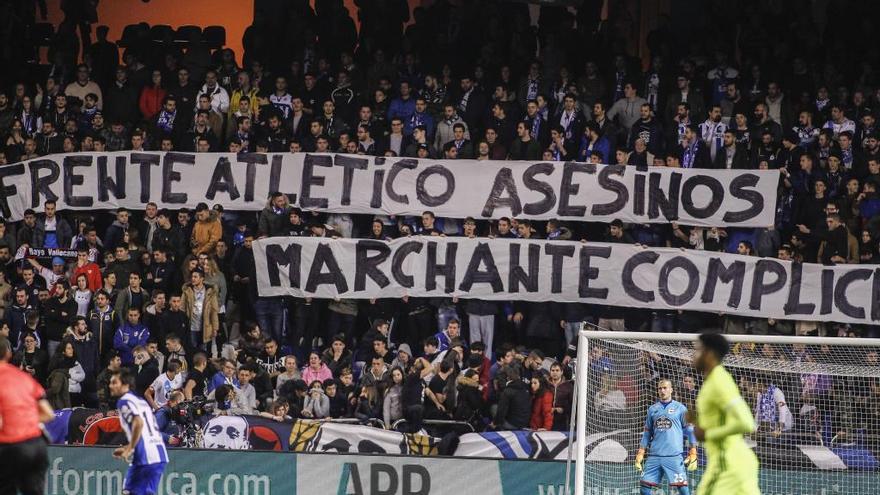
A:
739,420
692,438
646,435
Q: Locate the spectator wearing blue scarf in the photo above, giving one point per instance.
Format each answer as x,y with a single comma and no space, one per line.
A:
420,117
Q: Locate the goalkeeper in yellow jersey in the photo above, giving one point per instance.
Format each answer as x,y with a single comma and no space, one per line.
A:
722,419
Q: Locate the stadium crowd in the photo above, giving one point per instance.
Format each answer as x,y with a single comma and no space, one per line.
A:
172,294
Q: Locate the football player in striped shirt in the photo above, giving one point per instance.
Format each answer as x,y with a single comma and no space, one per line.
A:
145,450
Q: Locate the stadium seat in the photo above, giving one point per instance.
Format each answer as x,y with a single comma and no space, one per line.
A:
130,34
215,36
184,33
161,33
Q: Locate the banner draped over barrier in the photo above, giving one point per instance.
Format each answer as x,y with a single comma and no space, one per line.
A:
342,438
393,186
565,271
303,436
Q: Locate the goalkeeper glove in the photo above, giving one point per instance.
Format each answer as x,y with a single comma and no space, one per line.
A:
639,458
691,460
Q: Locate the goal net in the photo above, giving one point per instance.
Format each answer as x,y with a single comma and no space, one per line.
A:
816,402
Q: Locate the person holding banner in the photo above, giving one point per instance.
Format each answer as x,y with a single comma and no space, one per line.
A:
50,230
50,276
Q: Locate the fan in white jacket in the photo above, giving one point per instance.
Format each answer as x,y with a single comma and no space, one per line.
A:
77,376
219,96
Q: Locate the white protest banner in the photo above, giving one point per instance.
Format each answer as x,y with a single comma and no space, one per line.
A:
565,271
393,186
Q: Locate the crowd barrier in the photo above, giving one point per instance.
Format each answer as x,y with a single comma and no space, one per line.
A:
345,436
92,470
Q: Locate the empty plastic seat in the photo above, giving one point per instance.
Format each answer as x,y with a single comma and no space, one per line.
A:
131,33
185,33
215,36
162,32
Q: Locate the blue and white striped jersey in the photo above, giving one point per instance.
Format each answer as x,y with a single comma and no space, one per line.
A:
150,449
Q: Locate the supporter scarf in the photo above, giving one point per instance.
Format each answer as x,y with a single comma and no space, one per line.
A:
619,76
835,183
165,121
767,406
653,90
463,104
416,120
585,149
28,123
863,135
847,158
690,152
567,120
713,133
328,128
681,127
532,89
536,126
86,117
433,96
806,135
743,137
245,139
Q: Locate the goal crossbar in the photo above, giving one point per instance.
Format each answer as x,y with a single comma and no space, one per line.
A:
733,338
587,333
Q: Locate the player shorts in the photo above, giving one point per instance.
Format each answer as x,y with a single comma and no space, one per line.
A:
731,478
143,479
23,466
670,467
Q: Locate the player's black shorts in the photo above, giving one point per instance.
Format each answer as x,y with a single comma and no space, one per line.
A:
23,469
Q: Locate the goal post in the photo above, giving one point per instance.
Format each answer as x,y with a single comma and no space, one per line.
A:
816,402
